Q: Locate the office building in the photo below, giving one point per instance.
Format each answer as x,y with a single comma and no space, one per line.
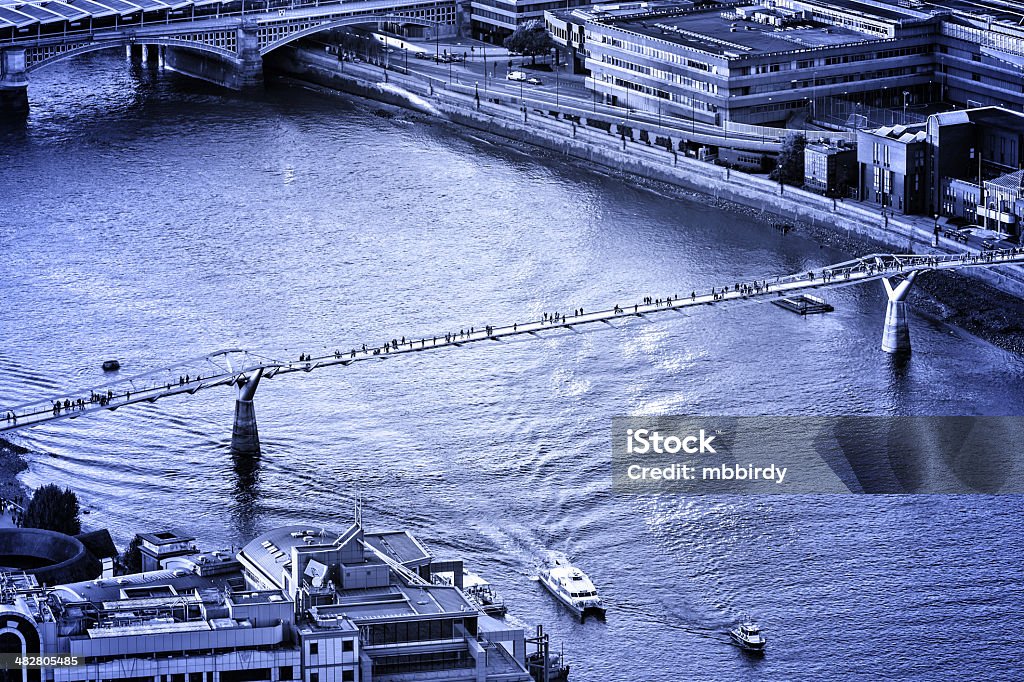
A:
296,603
845,62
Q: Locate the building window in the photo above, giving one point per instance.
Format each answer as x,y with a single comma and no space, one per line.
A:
314,677
348,676
285,672
314,648
348,645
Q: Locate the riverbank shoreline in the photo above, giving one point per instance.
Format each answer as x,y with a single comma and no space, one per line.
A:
985,304
12,464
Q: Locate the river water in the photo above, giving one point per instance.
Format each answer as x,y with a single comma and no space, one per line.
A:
152,218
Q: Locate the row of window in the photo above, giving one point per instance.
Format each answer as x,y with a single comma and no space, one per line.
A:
655,53
832,60
668,76
1001,41
677,97
416,631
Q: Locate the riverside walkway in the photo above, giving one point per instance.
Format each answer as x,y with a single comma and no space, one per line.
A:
243,369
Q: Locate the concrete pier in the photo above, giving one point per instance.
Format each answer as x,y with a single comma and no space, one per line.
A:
250,67
245,437
152,55
896,332
13,83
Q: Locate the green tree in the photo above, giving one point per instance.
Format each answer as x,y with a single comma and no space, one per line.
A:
53,509
530,39
789,168
131,558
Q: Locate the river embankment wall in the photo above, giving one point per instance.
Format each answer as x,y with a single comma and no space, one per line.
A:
652,152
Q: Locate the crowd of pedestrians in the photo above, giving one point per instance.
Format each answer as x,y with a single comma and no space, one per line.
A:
558,319
14,508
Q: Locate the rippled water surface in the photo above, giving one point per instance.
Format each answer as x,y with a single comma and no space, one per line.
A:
152,218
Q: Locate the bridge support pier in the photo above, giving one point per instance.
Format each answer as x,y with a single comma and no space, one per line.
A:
13,84
896,332
152,55
250,67
242,72
245,437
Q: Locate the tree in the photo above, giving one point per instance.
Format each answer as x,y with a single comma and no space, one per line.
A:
530,39
53,509
790,165
131,559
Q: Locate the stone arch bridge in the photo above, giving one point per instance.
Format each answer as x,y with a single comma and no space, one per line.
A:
220,40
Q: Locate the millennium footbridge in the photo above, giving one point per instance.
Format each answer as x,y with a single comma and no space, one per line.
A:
243,369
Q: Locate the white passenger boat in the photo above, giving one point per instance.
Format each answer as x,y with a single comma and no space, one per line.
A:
572,587
747,636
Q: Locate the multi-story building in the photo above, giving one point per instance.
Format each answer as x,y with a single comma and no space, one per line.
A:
568,28
968,149
893,167
495,20
297,603
959,164
830,169
762,63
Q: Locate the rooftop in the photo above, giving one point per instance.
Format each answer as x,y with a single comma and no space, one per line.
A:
708,31
905,134
150,585
398,545
397,601
1011,181
868,8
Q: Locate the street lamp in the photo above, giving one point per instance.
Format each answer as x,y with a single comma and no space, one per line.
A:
906,94
556,75
935,232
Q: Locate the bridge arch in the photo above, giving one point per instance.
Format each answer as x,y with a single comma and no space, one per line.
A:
350,21
79,50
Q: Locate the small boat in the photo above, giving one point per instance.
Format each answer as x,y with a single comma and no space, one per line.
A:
111,366
477,590
481,592
747,636
572,587
556,670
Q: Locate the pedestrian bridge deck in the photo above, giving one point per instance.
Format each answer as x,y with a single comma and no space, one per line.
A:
236,367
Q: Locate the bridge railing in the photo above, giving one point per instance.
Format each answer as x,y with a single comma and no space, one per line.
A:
235,366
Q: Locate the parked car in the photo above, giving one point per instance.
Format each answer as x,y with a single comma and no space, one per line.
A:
997,244
422,55
516,76
534,81
957,235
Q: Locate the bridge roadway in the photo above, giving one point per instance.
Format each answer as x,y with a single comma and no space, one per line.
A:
239,367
